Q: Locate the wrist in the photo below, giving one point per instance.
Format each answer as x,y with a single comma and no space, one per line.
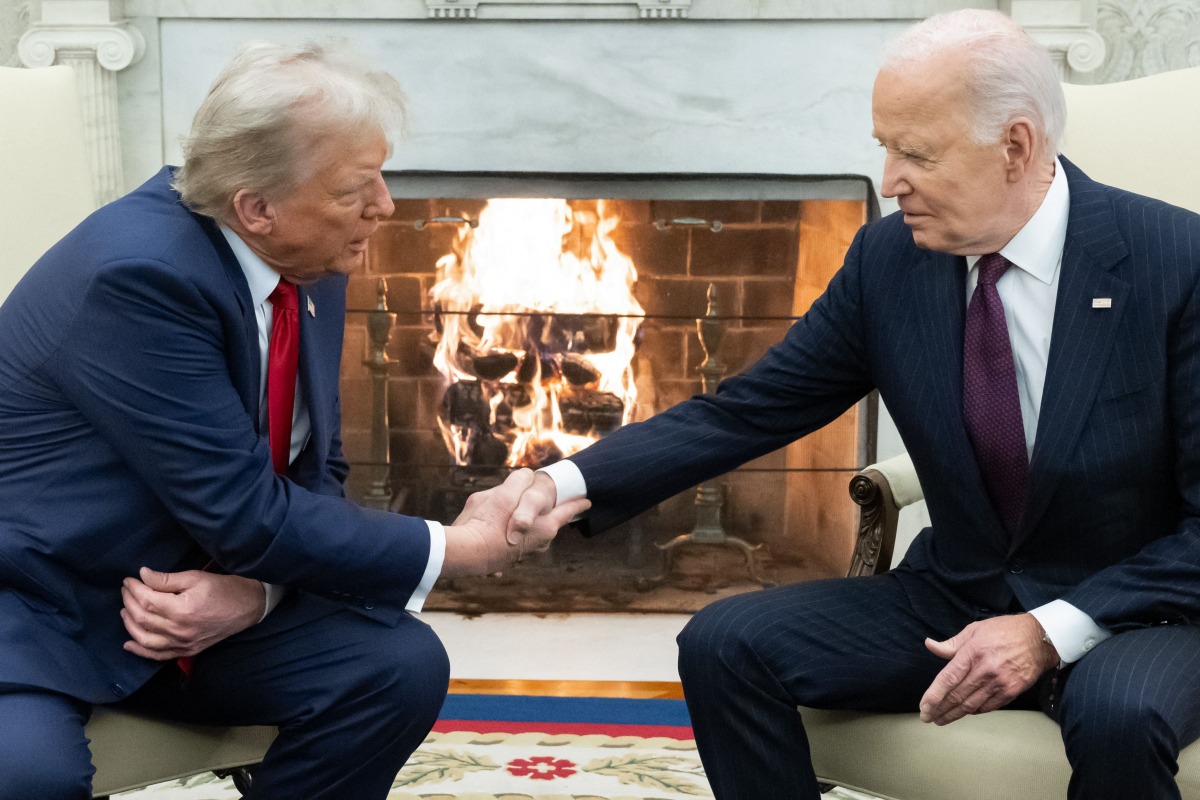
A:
1048,653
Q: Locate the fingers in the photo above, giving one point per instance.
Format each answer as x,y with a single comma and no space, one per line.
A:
538,499
991,662
542,533
172,582
945,649
148,644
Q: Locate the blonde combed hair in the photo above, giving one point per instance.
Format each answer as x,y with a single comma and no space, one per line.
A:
267,111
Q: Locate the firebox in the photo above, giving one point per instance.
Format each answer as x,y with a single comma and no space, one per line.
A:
507,320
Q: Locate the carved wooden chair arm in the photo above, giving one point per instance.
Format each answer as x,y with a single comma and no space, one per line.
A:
881,490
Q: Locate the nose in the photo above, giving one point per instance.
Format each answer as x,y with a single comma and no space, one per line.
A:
894,182
381,204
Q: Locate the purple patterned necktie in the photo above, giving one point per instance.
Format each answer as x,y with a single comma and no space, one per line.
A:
991,407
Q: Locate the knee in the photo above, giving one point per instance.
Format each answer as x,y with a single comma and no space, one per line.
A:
717,637
1113,726
29,771
412,672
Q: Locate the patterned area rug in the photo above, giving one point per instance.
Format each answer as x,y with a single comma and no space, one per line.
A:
489,747
506,747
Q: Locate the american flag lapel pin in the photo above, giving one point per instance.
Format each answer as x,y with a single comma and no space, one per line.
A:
1097,302
312,308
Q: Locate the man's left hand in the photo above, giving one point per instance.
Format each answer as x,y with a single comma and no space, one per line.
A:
991,663
174,614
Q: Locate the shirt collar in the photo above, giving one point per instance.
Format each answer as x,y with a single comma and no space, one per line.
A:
260,277
1037,247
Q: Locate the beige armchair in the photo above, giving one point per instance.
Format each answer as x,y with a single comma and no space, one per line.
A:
47,190
997,756
1137,135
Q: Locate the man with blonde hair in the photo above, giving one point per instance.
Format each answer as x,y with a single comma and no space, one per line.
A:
1036,337
173,531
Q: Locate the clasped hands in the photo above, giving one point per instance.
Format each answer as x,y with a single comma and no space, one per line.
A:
500,526
169,615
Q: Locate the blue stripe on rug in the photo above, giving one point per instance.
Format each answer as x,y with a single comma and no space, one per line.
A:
600,710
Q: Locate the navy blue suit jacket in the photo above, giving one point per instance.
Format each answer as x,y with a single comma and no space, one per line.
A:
1111,524
129,383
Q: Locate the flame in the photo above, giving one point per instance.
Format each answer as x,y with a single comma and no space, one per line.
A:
536,315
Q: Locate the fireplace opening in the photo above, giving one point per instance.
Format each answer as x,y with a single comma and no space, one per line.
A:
528,315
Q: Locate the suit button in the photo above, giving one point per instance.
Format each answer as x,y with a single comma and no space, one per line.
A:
368,604
1017,567
117,689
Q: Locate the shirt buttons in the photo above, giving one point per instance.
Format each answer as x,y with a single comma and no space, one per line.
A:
1089,644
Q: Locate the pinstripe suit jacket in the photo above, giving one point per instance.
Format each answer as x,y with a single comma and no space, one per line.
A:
1111,524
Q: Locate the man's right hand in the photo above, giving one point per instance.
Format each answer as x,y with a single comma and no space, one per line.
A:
485,539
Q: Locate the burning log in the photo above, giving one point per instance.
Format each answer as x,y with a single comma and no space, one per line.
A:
465,405
494,366
579,333
540,454
577,370
590,413
488,450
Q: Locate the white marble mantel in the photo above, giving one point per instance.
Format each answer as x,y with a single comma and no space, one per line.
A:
776,86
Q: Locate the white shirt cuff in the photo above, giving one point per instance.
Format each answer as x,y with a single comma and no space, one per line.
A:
437,556
568,481
1072,632
273,595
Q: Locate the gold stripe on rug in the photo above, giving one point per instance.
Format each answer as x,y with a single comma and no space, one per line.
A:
636,690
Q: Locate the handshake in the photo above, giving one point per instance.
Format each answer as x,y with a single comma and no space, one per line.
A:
498,526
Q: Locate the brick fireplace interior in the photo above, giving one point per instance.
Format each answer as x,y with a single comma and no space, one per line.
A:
766,246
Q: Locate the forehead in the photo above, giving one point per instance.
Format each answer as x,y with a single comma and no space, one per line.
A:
916,98
345,154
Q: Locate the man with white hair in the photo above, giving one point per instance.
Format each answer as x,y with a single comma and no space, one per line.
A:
1036,337
170,439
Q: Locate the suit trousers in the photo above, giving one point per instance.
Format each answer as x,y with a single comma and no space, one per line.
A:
352,698
746,662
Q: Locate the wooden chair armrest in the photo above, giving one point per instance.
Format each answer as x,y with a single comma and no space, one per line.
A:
880,490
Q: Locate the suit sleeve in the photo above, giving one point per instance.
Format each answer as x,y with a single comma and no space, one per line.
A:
145,362
802,383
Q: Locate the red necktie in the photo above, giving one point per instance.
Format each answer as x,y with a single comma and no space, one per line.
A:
283,356
282,360
991,405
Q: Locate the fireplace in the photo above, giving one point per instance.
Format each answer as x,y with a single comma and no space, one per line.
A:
742,255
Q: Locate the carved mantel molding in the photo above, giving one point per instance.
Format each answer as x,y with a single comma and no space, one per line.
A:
92,38
1066,29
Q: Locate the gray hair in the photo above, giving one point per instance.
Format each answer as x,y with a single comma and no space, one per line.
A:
1010,74
268,110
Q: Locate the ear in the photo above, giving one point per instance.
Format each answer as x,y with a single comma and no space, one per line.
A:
1020,144
254,212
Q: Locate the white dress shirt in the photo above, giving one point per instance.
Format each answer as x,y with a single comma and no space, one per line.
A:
1028,290
262,280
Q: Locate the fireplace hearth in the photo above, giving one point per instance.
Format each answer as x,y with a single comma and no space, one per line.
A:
485,372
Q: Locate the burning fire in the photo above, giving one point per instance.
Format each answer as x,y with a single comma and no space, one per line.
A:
536,331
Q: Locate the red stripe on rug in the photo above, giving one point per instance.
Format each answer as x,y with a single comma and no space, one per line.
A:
678,732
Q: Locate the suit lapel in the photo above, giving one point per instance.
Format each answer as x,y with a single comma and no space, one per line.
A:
248,389
1081,340
938,294
310,378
